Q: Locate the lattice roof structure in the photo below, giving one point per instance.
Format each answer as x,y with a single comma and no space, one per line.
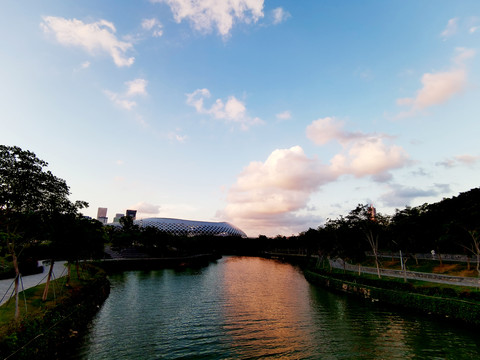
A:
191,227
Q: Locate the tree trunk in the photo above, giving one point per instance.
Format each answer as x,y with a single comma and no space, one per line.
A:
373,241
69,273
47,284
17,279
478,263
405,269
377,264
77,268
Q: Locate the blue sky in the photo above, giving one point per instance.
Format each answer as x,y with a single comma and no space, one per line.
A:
272,115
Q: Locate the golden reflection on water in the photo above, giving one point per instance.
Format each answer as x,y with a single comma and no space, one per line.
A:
262,312
253,308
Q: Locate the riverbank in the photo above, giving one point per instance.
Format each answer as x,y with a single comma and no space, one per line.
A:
444,301
452,297
130,264
46,329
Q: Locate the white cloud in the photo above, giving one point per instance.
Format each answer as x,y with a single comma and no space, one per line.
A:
322,131
146,208
279,15
474,29
285,115
93,37
362,154
124,100
370,156
276,192
219,14
153,25
450,29
465,159
232,111
177,137
273,191
119,100
438,88
85,65
136,87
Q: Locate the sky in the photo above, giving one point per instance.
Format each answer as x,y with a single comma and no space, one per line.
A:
274,115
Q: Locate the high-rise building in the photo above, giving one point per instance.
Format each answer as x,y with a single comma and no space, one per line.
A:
102,215
132,213
117,217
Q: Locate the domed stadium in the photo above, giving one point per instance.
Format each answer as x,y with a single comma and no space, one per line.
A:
191,227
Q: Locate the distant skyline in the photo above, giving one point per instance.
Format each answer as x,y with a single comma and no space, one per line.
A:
271,115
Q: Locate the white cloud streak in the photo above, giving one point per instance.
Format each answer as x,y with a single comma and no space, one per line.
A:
95,37
219,14
465,159
438,88
231,111
285,115
279,15
124,100
450,29
153,25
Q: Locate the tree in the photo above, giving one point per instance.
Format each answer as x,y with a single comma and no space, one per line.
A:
370,226
27,190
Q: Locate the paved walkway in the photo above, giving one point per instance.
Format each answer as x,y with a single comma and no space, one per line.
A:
6,286
412,275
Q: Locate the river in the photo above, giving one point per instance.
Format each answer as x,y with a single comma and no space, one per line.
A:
253,308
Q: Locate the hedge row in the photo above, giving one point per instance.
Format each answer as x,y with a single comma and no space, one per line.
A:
455,308
48,334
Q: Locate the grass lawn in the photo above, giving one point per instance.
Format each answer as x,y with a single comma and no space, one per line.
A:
427,266
30,300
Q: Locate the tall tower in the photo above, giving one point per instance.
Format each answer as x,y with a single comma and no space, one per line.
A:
102,215
372,213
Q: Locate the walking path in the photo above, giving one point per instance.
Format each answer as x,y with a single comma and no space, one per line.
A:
412,275
7,285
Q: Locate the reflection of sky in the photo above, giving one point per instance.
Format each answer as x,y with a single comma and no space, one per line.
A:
242,308
266,309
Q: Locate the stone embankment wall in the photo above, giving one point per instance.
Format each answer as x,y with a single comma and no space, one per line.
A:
463,310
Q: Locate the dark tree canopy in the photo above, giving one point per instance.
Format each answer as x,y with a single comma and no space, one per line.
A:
26,186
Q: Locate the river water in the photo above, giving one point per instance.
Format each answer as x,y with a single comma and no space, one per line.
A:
253,308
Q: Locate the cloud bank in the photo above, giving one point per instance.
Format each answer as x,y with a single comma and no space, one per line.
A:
95,37
275,193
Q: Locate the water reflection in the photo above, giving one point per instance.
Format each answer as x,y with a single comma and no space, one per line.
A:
251,308
266,311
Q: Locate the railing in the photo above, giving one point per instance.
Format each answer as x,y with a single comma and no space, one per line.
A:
412,275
